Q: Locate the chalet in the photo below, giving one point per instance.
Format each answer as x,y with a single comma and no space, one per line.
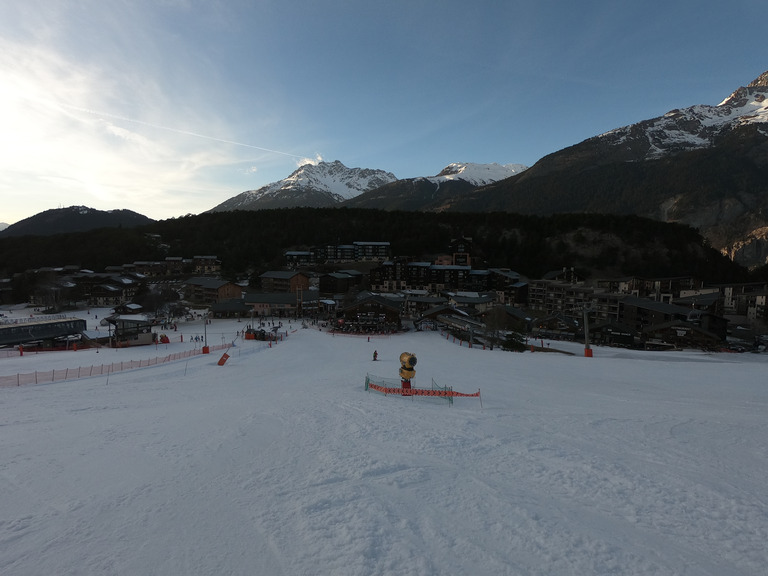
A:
509,286
373,313
394,275
104,295
468,327
232,308
428,319
150,268
625,285
106,290
705,301
471,302
211,290
371,250
461,249
129,308
284,281
612,333
738,298
556,326
682,335
282,304
448,277
519,320
341,253
417,275
297,258
174,265
206,265
551,296
667,289
479,280
418,302
339,282
641,313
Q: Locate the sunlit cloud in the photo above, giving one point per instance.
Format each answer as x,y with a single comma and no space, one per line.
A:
313,161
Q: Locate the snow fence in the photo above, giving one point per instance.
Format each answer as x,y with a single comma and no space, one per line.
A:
58,375
389,386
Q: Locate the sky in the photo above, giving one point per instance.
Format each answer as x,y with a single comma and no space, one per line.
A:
278,462
170,107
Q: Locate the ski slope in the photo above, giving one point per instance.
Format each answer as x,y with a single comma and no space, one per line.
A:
280,463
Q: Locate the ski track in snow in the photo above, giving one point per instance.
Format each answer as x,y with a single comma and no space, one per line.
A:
280,463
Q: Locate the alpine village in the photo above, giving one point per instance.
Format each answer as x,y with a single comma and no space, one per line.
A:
651,236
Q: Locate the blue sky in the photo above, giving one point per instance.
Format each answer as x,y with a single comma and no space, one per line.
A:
170,107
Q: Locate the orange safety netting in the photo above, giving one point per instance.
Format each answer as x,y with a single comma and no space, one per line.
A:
420,391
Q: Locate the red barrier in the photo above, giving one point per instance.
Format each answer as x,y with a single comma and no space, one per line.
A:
57,375
421,391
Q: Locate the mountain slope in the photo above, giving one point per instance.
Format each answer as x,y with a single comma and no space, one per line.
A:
314,186
74,219
705,166
455,180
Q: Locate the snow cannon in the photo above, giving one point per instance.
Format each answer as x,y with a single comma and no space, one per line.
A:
407,363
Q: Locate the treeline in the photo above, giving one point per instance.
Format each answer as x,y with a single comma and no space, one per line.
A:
255,241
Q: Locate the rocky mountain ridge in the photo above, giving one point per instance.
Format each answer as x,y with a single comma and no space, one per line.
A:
328,184
312,185
704,166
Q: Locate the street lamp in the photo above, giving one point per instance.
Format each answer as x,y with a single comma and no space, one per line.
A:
587,349
206,350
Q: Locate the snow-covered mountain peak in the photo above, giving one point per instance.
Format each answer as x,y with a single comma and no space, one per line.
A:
336,178
694,127
477,174
752,95
761,80
316,185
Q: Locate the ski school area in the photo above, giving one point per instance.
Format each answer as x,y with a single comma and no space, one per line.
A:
278,460
183,341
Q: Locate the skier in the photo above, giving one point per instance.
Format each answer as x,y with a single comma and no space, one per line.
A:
375,355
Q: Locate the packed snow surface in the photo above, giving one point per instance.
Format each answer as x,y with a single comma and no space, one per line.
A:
280,463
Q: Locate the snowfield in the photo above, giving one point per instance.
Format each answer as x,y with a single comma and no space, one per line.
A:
280,463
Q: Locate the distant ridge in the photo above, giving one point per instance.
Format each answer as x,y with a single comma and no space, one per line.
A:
331,184
74,219
435,193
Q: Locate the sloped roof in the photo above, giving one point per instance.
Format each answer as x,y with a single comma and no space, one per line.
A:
209,283
479,299
231,305
375,298
281,274
285,298
663,307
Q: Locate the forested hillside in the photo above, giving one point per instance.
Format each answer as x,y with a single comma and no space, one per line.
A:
254,241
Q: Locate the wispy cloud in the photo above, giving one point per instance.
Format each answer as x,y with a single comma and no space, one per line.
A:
60,145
